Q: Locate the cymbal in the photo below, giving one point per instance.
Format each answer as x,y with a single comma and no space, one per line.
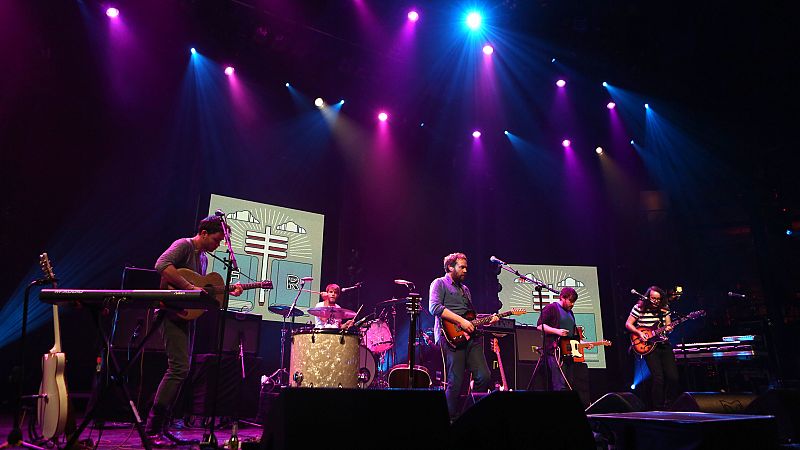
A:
283,310
327,312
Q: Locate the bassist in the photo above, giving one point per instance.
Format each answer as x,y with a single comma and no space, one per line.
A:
653,311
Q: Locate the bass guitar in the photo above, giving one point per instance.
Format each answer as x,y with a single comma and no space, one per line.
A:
455,335
654,335
574,347
52,405
213,284
496,350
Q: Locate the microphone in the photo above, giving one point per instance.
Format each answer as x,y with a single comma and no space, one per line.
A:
403,282
304,279
355,286
735,295
635,292
494,259
362,320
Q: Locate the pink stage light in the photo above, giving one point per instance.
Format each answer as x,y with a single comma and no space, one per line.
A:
488,49
112,12
229,70
611,105
561,83
383,117
476,134
413,16
566,143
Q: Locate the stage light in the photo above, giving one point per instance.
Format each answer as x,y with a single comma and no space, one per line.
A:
633,386
561,83
422,124
646,106
287,84
789,232
605,84
476,134
488,49
566,143
611,105
413,16
318,102
229,70
383,117
112,12
505,132
341,102
474,20
599,150
553,60
632,143
193,51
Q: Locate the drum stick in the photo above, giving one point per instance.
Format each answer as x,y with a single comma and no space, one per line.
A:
354,317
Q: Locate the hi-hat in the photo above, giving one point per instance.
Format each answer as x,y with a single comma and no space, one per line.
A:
283,310
328,312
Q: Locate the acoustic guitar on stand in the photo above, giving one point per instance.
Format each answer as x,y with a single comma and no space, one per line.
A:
213,284
52,405
456,336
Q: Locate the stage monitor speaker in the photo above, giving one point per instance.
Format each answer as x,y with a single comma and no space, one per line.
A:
234,396
784,404
357,419
616,402
524,419
244,326
713,402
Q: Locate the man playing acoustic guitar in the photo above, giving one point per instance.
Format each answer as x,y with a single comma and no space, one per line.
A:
185,253
450,300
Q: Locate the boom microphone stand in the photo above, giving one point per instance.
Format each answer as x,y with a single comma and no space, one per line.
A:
539,287
210,439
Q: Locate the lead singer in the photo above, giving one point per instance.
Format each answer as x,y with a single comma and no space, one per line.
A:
449,300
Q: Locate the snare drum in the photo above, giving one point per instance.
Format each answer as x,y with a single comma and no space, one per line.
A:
325,358
376,336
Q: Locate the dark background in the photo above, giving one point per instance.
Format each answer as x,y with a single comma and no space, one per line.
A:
110,149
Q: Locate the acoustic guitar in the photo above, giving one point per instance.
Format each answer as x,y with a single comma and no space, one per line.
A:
52,404
455,335
211,283
655,335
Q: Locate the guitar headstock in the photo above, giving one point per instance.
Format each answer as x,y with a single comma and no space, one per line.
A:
696,314
47,268
518,311
495,346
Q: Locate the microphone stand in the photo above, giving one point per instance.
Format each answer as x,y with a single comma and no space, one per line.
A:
210,439
539,287
283,335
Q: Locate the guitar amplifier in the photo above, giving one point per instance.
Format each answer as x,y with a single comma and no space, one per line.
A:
502,326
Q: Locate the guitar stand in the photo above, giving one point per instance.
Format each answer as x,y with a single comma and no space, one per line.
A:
118,377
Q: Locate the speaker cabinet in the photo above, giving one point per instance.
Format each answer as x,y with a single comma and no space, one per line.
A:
520,419
713,402
616,402
357,419
784,404
234,395
238,327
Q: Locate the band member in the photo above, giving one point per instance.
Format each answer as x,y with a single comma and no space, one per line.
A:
450,299
653,311
188,253
558,321
329,297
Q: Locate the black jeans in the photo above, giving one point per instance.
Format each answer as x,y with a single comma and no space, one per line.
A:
175,333
664,375
456,361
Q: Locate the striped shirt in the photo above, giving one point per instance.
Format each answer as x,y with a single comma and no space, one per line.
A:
649,318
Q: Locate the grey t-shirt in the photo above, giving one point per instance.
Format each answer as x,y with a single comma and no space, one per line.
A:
182,255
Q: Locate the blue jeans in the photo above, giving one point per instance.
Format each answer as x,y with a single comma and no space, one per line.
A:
456,361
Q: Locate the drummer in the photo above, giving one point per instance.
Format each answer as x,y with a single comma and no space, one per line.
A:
329,297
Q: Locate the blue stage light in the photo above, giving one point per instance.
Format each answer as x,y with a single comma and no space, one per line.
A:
605,84
474,20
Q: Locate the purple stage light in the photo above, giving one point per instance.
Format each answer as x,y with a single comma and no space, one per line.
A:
561,83
229,70
566,143
413,16
611,105
476,134
488,49
112,12
383,117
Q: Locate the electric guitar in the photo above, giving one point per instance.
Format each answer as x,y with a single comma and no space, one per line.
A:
211,283
455,335
654,335
574,347
496,350
52,403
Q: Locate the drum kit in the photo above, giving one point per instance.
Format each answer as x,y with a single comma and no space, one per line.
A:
345,358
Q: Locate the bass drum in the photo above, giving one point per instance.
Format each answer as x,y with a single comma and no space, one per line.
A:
367,366
325,358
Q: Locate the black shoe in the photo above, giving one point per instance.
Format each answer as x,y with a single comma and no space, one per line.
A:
161,441
179,440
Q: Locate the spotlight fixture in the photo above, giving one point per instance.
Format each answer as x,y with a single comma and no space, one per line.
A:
413,15
488,49
318,102
193,51
566,143
383,117
112,12
229,70
611,105
476,134
474,20
605,84
561,83
599,150
646,106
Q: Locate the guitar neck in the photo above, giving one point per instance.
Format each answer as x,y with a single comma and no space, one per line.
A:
247,286
56,332
483,320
